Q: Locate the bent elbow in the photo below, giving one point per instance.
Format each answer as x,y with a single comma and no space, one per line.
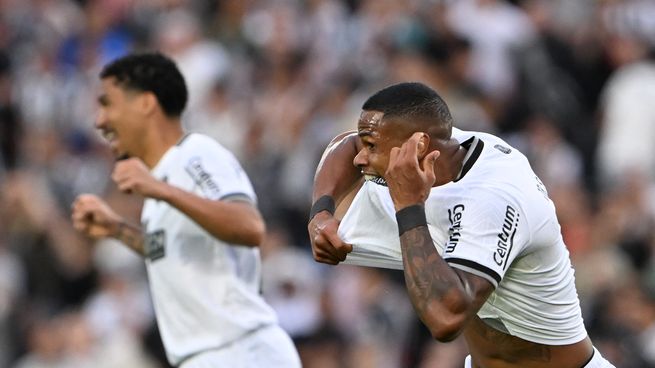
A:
445,325
254,232
249,233
258,232
446,333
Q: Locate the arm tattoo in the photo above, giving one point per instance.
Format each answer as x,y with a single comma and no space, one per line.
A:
428,277
132,236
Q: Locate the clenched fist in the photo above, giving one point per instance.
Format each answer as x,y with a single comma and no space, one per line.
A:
132,176
327,247
93,217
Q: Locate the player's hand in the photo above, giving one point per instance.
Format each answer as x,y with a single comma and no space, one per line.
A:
327,247
93,217
409,179
132,176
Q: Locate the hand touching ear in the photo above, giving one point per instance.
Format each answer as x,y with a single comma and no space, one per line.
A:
409,179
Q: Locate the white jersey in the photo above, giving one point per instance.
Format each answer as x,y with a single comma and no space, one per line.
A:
495,221
205,291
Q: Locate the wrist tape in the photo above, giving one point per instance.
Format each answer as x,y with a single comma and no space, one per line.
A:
325,203
411,217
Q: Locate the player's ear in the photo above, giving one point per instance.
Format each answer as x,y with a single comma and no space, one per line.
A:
423,146
148,102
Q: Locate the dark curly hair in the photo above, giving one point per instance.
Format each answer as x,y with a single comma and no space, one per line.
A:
413,102
151,72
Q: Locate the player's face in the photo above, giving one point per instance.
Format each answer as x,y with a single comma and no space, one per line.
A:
378,137
119,117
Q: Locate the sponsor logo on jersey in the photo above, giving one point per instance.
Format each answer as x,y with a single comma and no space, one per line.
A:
155,245
455,229
506,236
201,177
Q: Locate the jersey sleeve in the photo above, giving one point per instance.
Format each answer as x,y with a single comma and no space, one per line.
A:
487,231
217,174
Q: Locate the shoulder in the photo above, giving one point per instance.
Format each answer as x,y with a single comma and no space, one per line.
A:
200,155
196,145
482,201
198,141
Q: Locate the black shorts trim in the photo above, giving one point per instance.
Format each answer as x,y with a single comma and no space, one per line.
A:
593,352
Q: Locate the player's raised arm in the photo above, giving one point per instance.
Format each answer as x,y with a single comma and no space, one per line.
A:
336,175
335,178
234,222
443,297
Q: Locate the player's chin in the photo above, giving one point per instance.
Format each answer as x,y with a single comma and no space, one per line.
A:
119,154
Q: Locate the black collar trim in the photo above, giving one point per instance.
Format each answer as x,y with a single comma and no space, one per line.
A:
182,139
474,147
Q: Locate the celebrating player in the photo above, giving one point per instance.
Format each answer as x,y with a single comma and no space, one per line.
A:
466,218
200,227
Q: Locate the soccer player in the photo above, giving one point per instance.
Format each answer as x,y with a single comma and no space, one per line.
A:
200,227
470,223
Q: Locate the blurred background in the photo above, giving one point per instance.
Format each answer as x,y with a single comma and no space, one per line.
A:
570,83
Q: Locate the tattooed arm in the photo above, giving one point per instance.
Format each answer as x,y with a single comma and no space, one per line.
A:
132,236
444,298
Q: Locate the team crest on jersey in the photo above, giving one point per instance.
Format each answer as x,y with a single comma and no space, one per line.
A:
503,149
455,229
541,187
202,178
506,236
155,245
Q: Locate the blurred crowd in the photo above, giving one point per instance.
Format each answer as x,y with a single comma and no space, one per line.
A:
570,83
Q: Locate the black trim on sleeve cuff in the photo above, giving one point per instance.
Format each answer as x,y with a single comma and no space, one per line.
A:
237,197
476,266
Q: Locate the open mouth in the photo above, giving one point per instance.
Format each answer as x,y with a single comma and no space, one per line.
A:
112,140
375,179
109,135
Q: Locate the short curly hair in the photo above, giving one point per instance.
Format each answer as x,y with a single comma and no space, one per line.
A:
413,101
151,72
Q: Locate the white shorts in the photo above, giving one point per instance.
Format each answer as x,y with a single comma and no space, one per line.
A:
597,361
267,347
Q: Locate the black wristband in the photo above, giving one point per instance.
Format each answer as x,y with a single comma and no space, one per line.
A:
325,203
410,217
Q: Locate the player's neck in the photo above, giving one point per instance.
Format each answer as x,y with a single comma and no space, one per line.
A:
450,162
160,139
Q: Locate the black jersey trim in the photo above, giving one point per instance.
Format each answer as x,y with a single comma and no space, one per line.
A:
182,139
474,145
236,197
476,266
